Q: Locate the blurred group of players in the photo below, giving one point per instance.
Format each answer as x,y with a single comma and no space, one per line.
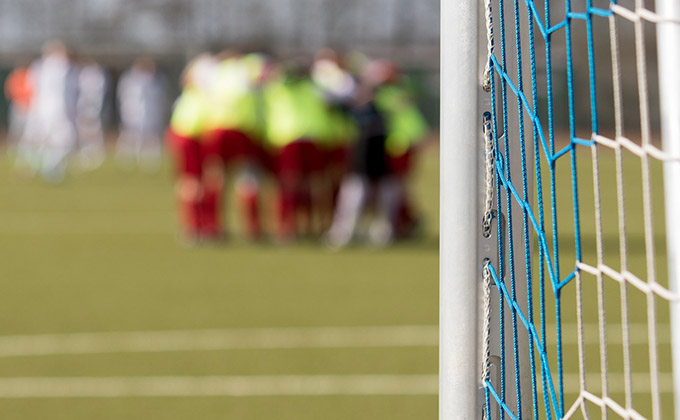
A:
337,133
56,110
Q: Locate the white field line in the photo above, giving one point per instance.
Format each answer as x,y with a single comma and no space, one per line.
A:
268,338
280,385
227,339
226,386
616,383
70,214
38,223
638,333
62,230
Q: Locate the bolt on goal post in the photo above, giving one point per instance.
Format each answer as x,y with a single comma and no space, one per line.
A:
469,311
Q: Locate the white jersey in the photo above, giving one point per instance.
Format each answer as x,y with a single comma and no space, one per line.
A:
50,117
335,82
92,88
50,133
141,97
49,77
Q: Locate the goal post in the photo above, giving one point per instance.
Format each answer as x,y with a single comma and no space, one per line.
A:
459,267
466,243
668,40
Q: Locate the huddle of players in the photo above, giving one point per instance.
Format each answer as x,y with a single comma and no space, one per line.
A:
338,134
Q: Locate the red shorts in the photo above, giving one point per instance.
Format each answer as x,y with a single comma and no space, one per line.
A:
230,146
336,157
400,165
187,153
300,158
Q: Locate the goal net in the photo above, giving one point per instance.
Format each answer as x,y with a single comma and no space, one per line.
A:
559,266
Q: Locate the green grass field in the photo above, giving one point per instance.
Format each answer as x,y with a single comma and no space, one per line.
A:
99,254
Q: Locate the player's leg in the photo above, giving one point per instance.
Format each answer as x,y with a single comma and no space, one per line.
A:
354,192
91,153
126,146
247,183
150,153
247,189
58,146
290,178
316,192
28,151
188,186
243,157
335,169
213,157
268,210
17,123
407,219
390,197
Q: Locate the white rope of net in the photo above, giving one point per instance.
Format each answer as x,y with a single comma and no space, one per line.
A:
650,286
487,218
488,19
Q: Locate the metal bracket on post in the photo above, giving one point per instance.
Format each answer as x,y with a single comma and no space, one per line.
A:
490,246
488,233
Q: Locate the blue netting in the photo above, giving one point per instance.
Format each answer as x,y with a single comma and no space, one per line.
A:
510,144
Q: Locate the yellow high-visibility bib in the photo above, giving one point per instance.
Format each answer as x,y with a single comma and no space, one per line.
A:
190,113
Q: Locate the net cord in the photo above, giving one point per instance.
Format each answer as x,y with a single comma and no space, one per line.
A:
646,151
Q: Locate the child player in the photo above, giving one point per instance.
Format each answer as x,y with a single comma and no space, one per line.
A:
232,140
296,120
405,128
338,88
389,127
187,127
